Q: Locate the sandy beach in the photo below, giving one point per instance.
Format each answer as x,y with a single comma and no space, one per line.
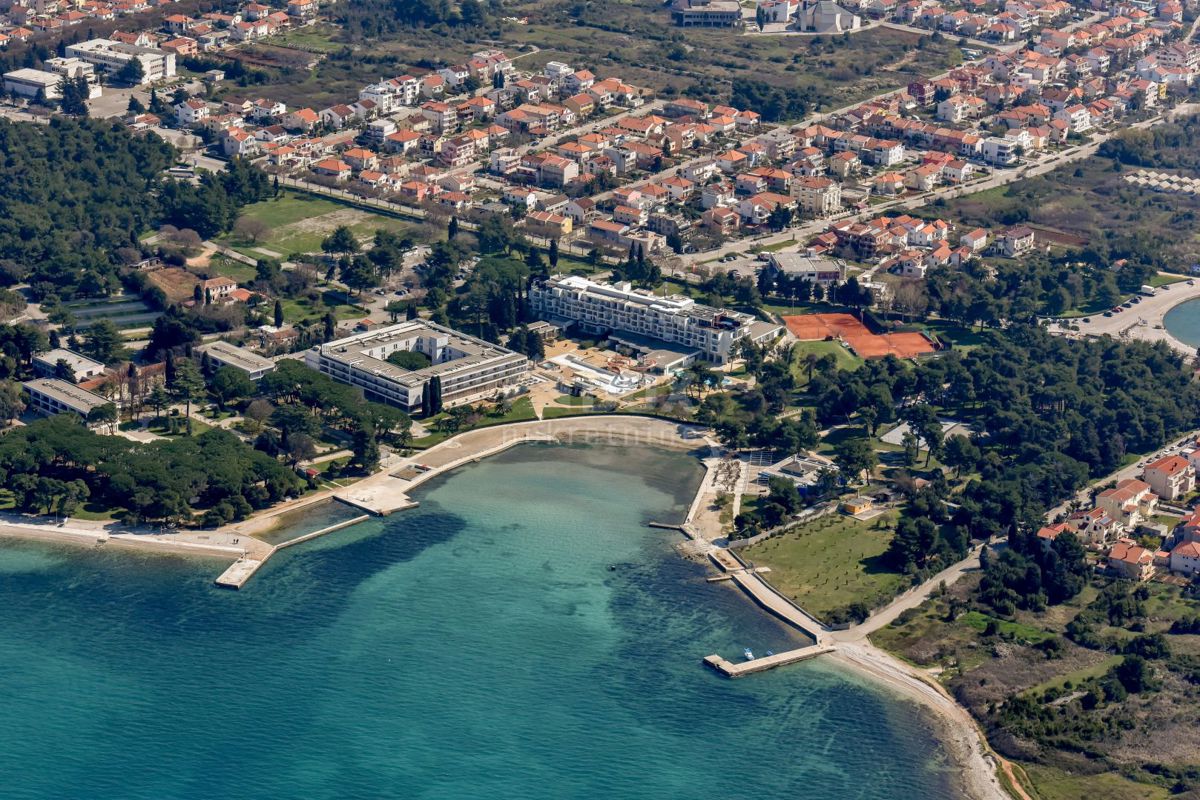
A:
957,728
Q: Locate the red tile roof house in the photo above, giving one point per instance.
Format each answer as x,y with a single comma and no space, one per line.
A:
1170,478
1185,558
1048,534
1129,502
1130,560
332,168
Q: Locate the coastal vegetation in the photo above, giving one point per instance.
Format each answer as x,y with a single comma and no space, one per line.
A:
55,464
76,195
1101,686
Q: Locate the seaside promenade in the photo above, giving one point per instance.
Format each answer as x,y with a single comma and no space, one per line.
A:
388,491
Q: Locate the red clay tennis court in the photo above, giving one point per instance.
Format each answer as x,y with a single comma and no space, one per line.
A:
818,327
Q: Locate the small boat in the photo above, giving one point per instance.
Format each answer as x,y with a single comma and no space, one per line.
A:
770,652
748,653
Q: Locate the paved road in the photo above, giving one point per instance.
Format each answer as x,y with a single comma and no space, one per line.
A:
911,599
1143,321
1134,470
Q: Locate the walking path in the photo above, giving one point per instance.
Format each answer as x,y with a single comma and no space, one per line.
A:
388,490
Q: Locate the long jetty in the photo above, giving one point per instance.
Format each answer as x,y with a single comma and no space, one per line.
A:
731,669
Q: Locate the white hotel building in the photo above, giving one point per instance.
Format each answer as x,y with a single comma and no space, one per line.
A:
469,368
711,332
109,56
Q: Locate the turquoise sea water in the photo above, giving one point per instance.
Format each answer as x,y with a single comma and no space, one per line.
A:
481,646
1183,322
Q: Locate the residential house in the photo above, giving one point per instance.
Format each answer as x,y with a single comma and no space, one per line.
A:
1015,241
1185,558
1131,561
1171,478
1129,502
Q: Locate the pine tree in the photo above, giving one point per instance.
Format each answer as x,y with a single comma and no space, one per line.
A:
278,314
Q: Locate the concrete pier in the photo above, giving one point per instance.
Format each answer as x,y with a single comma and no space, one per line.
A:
329,529
731,669
240,571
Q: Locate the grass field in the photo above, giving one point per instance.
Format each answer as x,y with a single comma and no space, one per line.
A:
832,562
303,309
845,359
239,271
314,38
297,223
1053,784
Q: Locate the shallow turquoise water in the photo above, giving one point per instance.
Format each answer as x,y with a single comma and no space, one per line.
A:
1183,322
480,646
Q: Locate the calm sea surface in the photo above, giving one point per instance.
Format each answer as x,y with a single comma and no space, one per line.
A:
1183,322
522,634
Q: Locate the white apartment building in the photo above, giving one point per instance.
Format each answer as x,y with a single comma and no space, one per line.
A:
469,369
46,364
1000,152
680,320
225,354
49,396
109,56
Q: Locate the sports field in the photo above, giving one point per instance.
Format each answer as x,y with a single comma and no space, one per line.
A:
818,327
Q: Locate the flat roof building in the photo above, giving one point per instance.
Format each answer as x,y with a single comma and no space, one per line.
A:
468,368
82,367
229,355
50,396
111,56
620,308
29,82
707,13
802,267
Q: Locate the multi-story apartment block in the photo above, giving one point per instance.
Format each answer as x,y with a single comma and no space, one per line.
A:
468,368
110,56
713,333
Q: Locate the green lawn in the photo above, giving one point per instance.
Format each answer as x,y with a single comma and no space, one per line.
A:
296,310
832,562
159,426
962,338
317,38
550,412
1076,677
299,222
1026,633
522,410
1163,279
845,359
571,400
1053,784
94,511
240,272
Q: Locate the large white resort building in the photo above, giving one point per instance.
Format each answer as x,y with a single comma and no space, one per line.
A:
469,368
710,333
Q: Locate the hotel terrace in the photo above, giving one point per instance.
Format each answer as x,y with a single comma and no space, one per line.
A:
469,368
620,308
